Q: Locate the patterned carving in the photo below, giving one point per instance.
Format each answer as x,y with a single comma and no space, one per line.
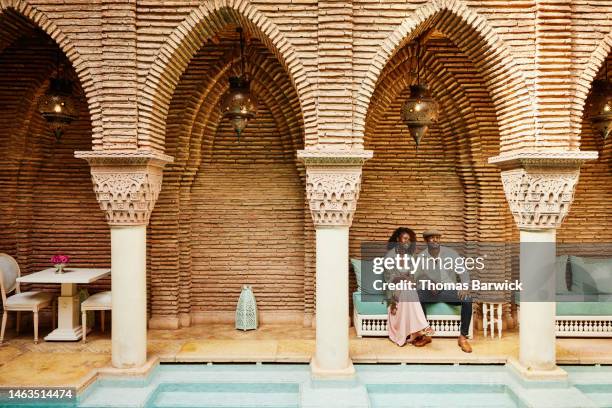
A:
539,199
540,185
333,180
127,184
333,194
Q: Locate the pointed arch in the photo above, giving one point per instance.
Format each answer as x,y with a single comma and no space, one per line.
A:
583,86
184,42
478,40
80,65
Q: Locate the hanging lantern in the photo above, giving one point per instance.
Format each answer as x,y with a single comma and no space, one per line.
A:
238,105
599,108
420,110
57,105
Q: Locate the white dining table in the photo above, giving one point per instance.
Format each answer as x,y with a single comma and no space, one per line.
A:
68,310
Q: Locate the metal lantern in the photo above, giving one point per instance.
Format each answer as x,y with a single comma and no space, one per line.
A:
419,111
246,311
238,105
599,108
57,105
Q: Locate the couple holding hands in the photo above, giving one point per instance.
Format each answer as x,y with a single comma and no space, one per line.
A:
407,320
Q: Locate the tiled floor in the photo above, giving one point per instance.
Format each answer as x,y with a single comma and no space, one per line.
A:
74,363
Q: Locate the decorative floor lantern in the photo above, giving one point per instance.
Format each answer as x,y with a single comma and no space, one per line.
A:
420,110
599,108
57,105
246,311
238,105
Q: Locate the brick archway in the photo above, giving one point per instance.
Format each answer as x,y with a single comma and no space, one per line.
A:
42,21
184,42
491,56
583,87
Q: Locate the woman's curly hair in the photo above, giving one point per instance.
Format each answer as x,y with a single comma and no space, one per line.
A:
394,238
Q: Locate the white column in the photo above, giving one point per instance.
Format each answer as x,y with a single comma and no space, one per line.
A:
127,185
332,316
129,299
333,180
539,186
537,318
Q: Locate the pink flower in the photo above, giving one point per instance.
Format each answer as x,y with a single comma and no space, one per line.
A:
60,259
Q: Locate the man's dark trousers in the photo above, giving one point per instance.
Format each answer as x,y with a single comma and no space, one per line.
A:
452,298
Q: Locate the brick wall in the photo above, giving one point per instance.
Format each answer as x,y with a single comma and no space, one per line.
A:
230,212
48,204
151,74
590,216
447,183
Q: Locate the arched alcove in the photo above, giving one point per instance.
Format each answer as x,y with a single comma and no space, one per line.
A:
231,212
49,205
590,217
446,184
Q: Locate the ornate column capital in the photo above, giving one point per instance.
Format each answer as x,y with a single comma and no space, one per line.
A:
540,186
126,183
333,181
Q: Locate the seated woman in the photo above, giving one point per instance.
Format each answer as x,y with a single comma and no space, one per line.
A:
407,322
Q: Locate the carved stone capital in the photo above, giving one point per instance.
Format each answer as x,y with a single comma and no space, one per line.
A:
540,186
333,180
126,183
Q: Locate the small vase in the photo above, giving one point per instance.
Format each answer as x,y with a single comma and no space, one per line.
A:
59,268
246,310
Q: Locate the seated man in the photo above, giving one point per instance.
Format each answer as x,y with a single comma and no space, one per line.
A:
439,272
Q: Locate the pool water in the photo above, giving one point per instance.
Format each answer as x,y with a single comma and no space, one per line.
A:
374,386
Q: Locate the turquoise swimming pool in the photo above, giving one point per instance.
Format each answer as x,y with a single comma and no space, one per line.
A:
375,386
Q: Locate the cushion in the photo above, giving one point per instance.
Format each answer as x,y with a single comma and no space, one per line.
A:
584,308
562,274
28,299
444,309
99,301
378,307
356,263
591,275
365,281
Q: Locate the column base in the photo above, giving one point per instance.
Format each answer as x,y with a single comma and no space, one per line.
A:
531,374
331,374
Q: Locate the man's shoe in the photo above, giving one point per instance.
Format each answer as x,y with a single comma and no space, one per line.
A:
462,341
422,341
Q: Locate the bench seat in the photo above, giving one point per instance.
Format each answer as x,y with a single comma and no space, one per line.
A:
370,317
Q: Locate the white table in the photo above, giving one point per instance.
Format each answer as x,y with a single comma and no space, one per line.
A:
68,327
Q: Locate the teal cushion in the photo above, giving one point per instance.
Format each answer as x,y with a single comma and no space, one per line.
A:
562,269
591,275
366,278
584,308
444,309
357,271
378,307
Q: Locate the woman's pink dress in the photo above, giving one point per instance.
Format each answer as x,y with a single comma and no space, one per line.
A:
409,317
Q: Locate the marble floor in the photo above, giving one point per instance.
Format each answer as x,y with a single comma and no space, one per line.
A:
76,364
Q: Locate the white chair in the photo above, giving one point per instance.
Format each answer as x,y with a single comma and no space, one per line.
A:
32,301
100,301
